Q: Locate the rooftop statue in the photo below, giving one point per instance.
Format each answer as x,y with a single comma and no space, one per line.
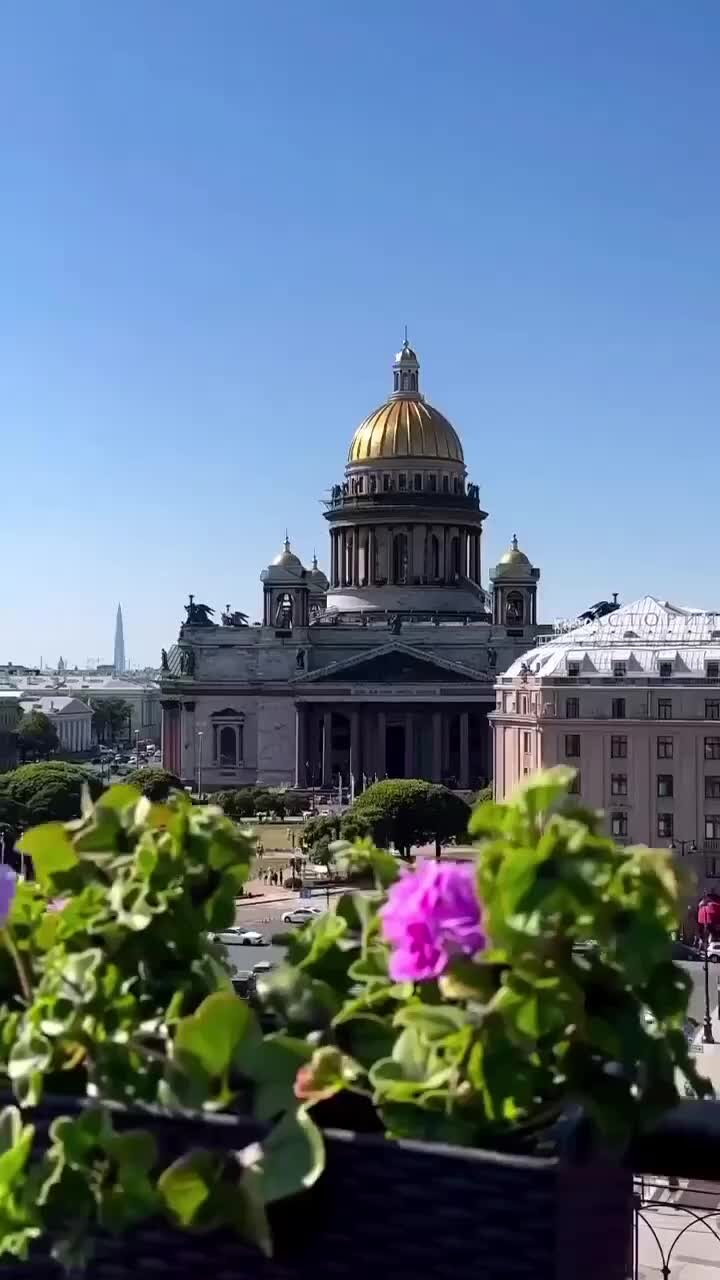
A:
198,615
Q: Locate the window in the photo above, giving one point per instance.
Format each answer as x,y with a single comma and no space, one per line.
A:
712,748
665,670
712,826
712,709
417,481
386,484
712,670
619,824
572,708
400,558
618,747
664,748
618,784
664,709
573,668
372,484
618,708
402,481
523,704
456,485
446,484
572,745
712,787
432,484
574,788
527,743
665,785
665,826
227,741
619,670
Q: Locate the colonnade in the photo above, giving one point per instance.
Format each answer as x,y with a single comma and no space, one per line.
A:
375,554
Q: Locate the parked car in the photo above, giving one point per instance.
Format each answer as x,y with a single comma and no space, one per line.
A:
262,966
300,915
251,938
713,952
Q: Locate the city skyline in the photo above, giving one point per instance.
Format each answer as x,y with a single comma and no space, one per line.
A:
218,239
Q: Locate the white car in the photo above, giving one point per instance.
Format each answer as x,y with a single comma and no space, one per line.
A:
713,952
235,936
262,966
300,915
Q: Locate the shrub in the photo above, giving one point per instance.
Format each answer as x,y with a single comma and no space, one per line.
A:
49,792
238,804
407,812
156,784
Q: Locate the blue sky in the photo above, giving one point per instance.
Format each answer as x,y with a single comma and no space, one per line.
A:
216,220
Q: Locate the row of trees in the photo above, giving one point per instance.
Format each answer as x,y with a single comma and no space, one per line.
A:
245,802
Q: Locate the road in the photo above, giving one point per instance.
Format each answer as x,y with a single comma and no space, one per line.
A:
267,919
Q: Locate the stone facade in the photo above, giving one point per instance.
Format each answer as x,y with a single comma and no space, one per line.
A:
386,667
632,701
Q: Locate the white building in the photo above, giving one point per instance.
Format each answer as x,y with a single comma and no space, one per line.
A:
632,701
143,697
71,718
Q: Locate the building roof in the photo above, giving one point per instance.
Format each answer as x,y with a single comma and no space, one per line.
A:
406,426
641,634
85,683
56,706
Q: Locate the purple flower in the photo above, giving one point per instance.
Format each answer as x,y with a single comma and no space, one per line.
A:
431,915
8,885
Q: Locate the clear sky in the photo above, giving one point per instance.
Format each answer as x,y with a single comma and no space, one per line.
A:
216,218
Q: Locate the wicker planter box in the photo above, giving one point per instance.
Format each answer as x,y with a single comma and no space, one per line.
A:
407,1210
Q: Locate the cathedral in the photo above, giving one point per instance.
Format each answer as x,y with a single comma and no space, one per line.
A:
384,667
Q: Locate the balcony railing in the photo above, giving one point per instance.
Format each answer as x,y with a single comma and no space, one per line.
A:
676,1210
402,498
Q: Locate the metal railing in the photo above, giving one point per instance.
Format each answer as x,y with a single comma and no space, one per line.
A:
676,1208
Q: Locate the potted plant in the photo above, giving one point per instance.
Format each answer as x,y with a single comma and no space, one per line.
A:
409,1095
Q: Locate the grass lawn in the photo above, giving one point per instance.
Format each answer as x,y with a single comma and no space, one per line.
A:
274,836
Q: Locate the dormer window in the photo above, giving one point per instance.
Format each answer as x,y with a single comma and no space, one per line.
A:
573,668
619,670
665,670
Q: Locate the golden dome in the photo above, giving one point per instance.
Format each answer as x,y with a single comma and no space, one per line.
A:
287,559
513,560
405,428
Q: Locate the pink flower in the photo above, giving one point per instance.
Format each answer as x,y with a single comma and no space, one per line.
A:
431,915
8,886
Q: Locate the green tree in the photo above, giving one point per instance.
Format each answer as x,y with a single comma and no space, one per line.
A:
49,792
36,736
156,784
407,811
238,804
111,718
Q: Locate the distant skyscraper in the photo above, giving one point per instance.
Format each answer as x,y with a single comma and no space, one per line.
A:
119,658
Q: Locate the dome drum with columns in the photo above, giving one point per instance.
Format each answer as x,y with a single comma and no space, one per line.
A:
385,667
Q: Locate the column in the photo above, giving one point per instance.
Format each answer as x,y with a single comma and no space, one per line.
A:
380,762
437,746
356,557
409,745
464,750
332,558
300,745
327,749
355,747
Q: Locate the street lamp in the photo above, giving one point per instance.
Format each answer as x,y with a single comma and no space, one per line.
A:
681,844
199,766
708,914
137,748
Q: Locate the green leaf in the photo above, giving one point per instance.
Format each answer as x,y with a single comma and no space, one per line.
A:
119,797
290,1159
212,1034
433,1022
272,1064
15,1145
135,1147
186,1186
51,850
30,1054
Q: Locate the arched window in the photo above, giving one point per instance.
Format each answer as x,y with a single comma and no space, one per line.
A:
434,557
400,558
396,383
405,381
228,738
515,609
372,484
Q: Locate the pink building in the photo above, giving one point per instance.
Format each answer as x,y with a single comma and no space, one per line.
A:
632,701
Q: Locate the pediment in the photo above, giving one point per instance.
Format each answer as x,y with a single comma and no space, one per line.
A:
395,665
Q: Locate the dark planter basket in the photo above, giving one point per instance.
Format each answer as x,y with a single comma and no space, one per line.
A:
407,1210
